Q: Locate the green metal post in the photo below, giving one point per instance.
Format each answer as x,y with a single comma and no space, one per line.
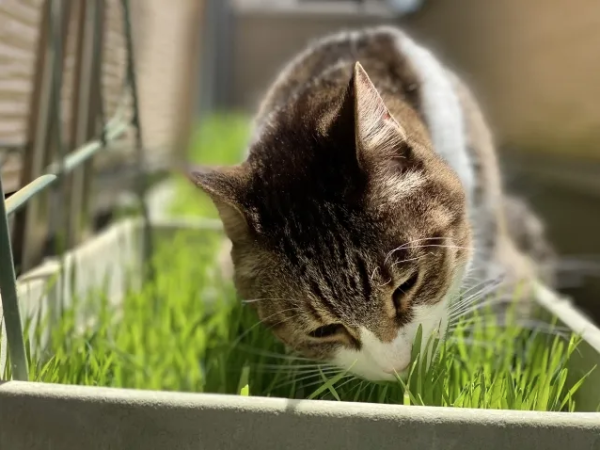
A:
10,303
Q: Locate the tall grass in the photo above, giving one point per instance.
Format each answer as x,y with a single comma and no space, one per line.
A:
186,332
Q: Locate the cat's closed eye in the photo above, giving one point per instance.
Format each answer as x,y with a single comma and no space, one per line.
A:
327,331
401,291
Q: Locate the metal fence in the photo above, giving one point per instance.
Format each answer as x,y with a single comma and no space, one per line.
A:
69,171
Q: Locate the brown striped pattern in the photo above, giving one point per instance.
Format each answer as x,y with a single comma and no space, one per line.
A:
326,226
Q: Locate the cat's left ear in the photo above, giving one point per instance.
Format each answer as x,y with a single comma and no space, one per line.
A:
225,187
375,129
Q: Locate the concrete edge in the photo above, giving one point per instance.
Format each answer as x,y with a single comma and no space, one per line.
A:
39,417
314,408
561,307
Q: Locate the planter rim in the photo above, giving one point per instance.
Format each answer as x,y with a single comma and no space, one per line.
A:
559,306
314,408
564,309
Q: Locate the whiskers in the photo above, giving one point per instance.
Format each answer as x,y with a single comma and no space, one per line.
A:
284,374
262,299
489,305
506,320
300,377
432,242
475,298
264,321
315,381
295,376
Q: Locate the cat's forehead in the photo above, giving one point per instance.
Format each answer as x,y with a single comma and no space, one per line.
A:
316,230
339,260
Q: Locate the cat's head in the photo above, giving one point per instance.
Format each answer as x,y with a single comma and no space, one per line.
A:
348,232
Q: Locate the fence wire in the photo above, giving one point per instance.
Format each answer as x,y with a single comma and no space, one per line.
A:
57,171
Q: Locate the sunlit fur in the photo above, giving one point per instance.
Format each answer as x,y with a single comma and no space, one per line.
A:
369,164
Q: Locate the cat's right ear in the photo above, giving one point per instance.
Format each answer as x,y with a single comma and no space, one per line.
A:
375,130
225,187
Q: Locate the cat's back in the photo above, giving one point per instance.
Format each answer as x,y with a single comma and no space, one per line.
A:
423,95
420,92
327,62
417,89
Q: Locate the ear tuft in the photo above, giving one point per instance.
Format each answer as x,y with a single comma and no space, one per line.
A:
225,187
374,123
218,183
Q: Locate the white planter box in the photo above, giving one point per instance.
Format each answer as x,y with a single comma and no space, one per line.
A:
41,416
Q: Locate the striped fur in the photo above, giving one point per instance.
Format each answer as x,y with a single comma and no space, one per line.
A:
371,189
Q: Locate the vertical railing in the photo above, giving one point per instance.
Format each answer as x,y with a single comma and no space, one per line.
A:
10,303
87,105
31,224
41,180
215,56
139,144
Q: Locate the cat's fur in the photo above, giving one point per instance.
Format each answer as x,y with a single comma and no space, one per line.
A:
370,191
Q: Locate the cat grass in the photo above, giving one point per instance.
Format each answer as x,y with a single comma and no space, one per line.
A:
218,140
186,331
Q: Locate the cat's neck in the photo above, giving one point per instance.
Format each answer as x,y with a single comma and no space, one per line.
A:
442,111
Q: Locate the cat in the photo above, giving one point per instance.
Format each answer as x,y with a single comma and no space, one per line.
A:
371,197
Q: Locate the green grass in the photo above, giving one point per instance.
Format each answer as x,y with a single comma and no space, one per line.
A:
218,140
186,331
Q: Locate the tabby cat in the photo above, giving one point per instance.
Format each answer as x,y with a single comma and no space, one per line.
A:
370,199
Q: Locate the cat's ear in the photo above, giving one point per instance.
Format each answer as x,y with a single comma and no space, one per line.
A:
374,126
225,187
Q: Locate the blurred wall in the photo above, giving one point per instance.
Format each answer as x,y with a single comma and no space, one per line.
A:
534,64
166,45
167,59
267,34
19,22
166,37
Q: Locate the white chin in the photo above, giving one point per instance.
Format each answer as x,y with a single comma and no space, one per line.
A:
363,364
376,360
